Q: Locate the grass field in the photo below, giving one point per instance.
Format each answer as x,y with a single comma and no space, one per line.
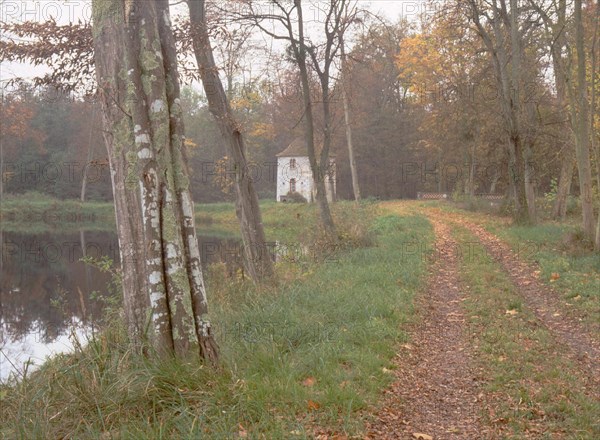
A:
566,261
533,392
36,213
313,351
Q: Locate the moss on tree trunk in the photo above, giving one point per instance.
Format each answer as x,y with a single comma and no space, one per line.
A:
164,295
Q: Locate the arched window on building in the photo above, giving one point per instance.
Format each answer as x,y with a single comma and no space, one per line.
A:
292,164
293,185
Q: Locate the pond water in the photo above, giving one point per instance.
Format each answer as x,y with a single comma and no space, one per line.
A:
48,296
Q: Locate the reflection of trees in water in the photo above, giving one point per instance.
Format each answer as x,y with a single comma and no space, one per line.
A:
40,286
42,277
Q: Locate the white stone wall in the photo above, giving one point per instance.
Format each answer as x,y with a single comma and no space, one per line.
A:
304,180
302,174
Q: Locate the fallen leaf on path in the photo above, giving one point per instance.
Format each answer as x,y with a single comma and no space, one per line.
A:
555,276
512,312
242,433
420,436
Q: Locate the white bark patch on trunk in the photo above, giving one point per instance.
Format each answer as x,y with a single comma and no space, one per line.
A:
153,261
203,327
144,153
199,281
155,221
155,278
157,106
171,251
188,212
187,208
150,211
194,251
155,297
142,139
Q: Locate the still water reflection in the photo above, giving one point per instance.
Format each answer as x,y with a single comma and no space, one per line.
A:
47,294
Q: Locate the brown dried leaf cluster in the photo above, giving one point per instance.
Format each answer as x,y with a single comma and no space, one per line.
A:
67,50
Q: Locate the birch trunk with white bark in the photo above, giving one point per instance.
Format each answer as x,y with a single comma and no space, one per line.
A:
164,295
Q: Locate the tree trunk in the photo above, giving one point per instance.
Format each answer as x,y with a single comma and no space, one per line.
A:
256,254
559,211
316,167
1,168
164,295
593,111
529,170
325,172
524,194
494,182
353,170
508,84
516,165
529,185
582,150
557,45
89,157
470,190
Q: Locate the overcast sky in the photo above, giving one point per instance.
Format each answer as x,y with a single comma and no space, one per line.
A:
65,11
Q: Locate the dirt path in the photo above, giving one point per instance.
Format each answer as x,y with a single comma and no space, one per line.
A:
583,342
436,392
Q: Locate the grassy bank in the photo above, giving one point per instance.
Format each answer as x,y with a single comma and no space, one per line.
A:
532,391
566,261
38,213
35,213
314,351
